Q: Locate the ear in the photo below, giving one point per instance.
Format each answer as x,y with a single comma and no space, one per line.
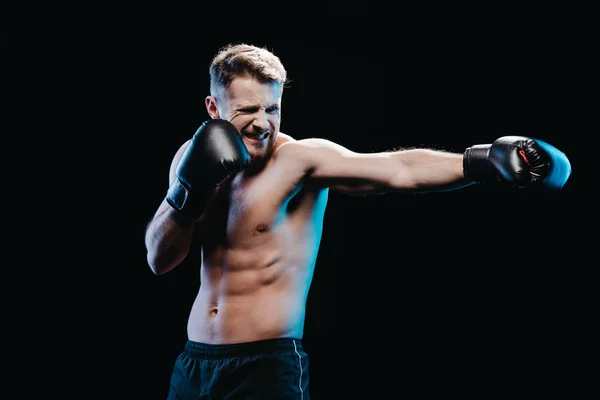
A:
211,107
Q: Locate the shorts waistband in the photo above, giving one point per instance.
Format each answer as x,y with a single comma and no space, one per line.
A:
246,349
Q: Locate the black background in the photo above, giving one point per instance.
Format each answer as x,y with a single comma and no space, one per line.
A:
474,294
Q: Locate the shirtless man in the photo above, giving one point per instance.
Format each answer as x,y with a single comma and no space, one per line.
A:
253,199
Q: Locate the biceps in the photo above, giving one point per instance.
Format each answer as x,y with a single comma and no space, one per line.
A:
355,173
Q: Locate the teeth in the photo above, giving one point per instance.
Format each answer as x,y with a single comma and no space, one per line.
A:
259,137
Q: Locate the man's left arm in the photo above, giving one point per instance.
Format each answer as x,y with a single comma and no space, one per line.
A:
513,160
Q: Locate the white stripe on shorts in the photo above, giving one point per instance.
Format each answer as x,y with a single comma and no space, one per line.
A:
300,364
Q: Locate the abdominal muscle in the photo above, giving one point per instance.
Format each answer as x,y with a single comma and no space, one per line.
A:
255,295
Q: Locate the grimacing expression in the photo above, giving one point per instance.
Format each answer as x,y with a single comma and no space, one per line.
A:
254,108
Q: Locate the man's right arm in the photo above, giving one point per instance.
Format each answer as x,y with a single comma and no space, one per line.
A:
215,151
168,235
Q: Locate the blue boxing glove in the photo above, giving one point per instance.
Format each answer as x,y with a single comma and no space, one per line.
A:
518,161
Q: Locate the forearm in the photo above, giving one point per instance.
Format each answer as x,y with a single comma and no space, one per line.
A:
168,239
425,170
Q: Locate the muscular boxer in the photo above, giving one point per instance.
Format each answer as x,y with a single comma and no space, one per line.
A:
229,195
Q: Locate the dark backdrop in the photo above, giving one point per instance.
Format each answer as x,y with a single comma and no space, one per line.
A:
472,293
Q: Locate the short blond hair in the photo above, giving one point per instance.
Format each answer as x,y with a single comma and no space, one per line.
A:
236,60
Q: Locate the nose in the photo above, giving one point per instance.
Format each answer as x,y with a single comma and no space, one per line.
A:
260,122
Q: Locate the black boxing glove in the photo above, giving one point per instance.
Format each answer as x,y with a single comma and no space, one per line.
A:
215,151
519,161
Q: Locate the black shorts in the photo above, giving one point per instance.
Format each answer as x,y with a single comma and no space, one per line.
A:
267,369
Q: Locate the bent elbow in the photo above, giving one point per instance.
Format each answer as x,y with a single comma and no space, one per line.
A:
155,265
160,264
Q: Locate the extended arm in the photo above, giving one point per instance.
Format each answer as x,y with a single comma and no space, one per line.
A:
517,161
413,170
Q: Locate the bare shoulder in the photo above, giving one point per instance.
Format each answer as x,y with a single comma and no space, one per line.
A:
176,158
309,146
289,151
286,145
283,138
180,150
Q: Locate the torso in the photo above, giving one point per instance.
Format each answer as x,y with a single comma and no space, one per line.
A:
260,238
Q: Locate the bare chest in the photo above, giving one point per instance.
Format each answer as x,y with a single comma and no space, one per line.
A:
248,208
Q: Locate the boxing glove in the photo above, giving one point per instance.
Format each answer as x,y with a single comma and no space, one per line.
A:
215,151
519,161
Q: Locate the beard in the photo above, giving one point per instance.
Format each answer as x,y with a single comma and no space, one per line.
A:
262,155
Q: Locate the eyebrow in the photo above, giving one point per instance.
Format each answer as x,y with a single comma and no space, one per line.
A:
247,106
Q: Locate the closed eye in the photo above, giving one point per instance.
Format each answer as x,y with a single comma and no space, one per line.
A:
249,110
253,110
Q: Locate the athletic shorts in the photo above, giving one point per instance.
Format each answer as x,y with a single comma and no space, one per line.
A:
266,369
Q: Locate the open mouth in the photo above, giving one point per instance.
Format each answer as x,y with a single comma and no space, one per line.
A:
257,138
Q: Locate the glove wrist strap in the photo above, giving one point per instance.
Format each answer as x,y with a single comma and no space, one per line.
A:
187,203
476,164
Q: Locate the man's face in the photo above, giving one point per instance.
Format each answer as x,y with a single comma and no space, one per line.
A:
254,108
